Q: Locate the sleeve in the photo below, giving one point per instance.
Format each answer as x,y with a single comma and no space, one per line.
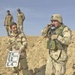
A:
5,20
67,36
45,31
9,46
24,42
23,16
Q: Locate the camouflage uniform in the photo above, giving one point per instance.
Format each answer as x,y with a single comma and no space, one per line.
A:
57,58
20,20
19,42
7,22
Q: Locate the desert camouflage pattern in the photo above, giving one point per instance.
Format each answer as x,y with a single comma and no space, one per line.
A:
19,42
20,20
57,17
45,30
65,39
67,36
8,20
54,65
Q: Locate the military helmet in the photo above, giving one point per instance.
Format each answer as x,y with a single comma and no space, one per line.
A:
18,9
8,11
57,17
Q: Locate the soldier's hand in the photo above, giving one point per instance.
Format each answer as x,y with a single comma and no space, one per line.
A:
54,36
49,25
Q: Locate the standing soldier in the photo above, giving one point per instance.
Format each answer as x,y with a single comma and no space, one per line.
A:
7,22
59,38
17,41
20,20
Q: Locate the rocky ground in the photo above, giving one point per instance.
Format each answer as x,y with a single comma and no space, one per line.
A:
36,56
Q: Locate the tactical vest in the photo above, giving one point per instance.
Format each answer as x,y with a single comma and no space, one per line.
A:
59,30
51,44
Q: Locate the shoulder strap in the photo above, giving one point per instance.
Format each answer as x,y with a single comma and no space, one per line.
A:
60,29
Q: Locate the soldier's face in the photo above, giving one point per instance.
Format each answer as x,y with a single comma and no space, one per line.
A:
55,23
14,29
19,11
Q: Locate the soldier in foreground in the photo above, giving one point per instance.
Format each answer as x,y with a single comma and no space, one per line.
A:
20,20
59,37
8,20
17,41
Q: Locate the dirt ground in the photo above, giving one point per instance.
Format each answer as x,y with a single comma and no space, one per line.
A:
36,55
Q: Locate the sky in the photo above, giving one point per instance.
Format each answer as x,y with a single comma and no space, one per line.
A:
37,13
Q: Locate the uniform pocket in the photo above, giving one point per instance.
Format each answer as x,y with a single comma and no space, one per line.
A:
63,56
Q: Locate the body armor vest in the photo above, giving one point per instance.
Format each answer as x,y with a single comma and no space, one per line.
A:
51,44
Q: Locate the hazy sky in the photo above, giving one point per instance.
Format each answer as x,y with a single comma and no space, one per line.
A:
38,13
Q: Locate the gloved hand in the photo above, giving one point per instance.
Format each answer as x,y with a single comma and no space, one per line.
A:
54,36
49,25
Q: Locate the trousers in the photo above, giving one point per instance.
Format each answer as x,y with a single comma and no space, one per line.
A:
53,67
23,64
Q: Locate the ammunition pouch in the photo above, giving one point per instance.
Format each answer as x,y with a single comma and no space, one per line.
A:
54,45
51,45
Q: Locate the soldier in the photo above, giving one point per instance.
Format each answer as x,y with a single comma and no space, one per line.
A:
7,22
20,20
59,37
18,41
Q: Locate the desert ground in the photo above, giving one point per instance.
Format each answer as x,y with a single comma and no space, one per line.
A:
36,55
